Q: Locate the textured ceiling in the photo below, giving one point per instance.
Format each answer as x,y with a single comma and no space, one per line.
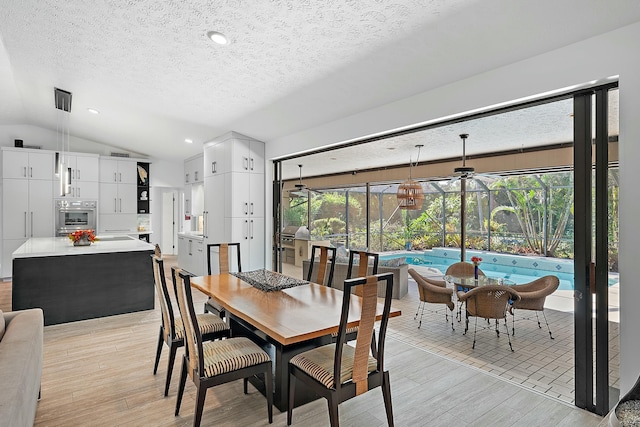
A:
149,68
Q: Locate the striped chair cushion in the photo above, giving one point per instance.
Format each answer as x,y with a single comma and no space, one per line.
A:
318,363
351,330
230,355
207,322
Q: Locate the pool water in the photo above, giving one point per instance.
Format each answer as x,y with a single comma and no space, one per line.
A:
519,269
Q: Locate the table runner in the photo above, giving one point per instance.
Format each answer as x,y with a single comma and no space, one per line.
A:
268,281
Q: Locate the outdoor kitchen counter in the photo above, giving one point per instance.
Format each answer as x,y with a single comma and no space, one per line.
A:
58,246
111,276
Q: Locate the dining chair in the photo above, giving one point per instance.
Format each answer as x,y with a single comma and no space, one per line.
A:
433,292
172,328
367,265
339,371
532,297
216,362
488,302
327,256
365,260
224,266
462,269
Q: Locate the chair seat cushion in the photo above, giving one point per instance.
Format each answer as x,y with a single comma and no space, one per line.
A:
230,355
208,323
351,330
318,363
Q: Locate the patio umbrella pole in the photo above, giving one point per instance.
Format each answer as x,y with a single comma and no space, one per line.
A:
463,208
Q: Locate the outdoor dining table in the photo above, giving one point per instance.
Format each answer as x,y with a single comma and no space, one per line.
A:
284,315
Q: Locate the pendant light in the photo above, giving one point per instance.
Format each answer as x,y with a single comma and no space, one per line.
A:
63,103
410,193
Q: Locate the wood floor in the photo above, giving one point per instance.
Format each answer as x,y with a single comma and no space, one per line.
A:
99,373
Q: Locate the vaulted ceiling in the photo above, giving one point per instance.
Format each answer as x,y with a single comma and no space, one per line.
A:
156,78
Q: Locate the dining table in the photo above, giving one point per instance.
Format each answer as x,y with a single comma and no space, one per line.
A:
284,315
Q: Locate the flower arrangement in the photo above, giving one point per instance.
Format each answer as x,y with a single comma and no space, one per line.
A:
476,260
78,235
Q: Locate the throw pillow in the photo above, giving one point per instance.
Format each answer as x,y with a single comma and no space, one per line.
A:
1,325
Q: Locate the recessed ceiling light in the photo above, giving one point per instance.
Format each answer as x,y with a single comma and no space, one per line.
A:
93,111
217,37
188,141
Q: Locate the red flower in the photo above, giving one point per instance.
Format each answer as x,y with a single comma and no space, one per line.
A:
79,234
476,260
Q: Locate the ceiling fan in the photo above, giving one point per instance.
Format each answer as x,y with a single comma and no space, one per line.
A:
301,189
468,172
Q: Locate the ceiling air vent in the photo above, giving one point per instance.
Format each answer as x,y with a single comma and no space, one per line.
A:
63,99
113,154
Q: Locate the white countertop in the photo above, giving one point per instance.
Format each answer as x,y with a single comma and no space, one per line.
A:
191,235
58,246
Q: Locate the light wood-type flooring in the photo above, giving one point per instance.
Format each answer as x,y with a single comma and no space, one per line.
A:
99,373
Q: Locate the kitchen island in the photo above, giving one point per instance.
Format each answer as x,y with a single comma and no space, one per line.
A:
111,276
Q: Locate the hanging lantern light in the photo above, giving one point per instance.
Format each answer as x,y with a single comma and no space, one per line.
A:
410,193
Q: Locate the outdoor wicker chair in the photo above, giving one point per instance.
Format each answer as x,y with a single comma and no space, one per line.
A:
434,292
488,302
532,297
462,269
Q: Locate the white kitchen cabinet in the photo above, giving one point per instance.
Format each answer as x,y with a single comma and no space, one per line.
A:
214,208
191,255
246,155
250,233
245,191
194,170
117,223
215,158
27,211
234,196
118,171
118,199
84,175
27,164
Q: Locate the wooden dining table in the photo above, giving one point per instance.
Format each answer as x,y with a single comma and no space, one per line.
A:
283,322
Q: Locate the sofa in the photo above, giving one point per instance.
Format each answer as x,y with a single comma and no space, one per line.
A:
21,342
400,276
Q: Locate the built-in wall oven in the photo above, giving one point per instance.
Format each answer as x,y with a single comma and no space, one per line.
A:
72,215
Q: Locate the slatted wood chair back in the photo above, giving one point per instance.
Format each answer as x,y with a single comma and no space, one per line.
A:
327,257
193,337
363,265
168,319
369,298
223,257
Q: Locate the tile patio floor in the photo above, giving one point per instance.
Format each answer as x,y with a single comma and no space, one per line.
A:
538,362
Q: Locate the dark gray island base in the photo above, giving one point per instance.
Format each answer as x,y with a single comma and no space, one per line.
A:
84,286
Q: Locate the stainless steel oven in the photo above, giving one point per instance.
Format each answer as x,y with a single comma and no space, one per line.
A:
72,215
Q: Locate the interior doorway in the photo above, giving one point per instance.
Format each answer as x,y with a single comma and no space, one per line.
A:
169,222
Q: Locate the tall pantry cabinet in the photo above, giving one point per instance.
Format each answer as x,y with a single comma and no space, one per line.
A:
27,194
234,195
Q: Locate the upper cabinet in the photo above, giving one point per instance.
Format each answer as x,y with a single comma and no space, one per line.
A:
83,170
27,164
194,170
118,171
236,153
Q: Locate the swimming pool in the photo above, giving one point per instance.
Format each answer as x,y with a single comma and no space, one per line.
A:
520,269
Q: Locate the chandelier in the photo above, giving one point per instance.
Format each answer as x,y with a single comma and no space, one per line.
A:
410,193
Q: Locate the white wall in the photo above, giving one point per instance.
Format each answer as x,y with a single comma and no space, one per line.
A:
595,59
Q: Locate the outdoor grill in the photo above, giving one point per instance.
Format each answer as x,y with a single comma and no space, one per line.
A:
288,235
